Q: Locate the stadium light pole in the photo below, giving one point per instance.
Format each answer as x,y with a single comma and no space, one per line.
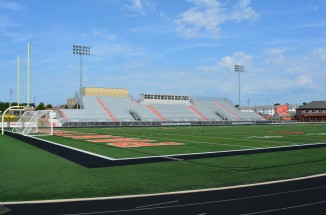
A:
81,50
238,69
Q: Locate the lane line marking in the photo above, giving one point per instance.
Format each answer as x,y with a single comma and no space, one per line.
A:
285,208
163,203
203,203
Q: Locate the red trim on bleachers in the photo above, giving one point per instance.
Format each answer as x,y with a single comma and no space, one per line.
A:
64,115
106,110
158,114
227,110
194,109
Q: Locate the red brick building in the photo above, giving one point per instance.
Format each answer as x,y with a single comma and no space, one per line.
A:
312,112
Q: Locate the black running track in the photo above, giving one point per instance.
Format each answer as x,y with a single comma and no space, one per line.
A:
92,161
291,198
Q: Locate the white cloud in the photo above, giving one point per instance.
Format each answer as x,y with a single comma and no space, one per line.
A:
281,73
320,53
102,33
206,16
6,22
10,5
304,80
140,7
227,63
136,6
275,51
243,11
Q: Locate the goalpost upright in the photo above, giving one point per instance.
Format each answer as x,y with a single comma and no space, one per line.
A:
28,74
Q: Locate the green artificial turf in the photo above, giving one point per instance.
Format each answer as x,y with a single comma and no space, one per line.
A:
29,173
199,139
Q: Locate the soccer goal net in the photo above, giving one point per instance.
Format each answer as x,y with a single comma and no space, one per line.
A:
35,123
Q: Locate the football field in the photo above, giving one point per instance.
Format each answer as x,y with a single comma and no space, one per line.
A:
30,173
163,141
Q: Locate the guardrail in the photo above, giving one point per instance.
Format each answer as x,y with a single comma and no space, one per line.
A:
171,123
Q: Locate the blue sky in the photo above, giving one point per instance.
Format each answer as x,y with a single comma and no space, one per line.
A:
184,47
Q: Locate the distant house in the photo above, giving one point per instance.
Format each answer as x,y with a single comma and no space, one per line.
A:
282,110
312,112
266,110
71,103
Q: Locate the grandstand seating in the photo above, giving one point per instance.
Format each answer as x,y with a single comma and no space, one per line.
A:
176,112
125,109
156,112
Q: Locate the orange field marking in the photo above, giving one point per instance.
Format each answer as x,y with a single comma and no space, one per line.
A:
118,141
90,136
142,144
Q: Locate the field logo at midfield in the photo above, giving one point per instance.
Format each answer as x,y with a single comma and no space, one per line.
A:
117,141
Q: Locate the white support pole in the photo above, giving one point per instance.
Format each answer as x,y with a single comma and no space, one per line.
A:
51,121
3,117
36,122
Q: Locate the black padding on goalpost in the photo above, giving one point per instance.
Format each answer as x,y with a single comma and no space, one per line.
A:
92,161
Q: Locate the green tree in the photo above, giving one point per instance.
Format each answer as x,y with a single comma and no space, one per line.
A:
41,106
48,106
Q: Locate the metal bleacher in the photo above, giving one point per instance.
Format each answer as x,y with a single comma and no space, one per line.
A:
208,109
176,112
124,109
215,109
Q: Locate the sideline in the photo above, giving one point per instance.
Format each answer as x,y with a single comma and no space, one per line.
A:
162,194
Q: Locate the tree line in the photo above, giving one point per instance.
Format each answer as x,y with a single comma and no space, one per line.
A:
40,106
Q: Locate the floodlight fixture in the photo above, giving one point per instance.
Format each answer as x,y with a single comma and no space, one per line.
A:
238,69
81,50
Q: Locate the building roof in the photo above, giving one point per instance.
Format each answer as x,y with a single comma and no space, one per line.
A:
314,105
